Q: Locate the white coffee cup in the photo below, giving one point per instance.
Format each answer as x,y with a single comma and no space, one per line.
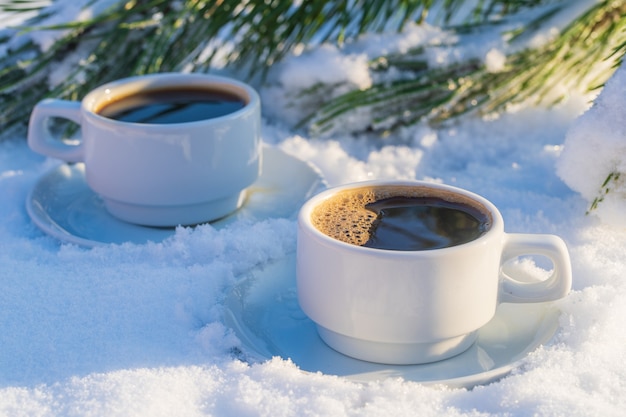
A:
159,174
416,306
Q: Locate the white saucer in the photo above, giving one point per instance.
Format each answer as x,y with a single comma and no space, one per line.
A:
62,205
263,311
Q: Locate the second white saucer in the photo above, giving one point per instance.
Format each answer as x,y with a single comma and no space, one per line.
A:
62,205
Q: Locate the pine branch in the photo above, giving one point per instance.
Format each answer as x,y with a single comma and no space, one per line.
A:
141,36
577,57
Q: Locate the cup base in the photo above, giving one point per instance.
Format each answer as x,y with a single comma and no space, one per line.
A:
172,216
396,353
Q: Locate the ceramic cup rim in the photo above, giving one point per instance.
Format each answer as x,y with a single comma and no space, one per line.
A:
495,229
134,84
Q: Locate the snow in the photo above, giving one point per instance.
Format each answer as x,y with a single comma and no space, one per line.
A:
136,330
63,12
309,70
595,148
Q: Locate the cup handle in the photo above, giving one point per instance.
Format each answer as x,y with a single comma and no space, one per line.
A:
554,287
40,138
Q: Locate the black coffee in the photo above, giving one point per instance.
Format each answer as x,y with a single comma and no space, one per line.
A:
401,218
172,105
406,223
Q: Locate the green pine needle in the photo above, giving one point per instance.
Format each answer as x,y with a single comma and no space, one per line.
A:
142,36
606,188
576,58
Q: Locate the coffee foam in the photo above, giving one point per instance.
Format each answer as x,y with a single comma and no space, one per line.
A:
344,217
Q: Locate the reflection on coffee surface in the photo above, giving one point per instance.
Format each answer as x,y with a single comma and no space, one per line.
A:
172,105
401,218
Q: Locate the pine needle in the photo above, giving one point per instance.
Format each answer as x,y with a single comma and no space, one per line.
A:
142,36
574,59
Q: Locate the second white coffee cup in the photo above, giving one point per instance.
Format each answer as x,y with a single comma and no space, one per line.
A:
179,173
413,306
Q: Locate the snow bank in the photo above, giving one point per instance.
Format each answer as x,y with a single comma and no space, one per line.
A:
593,161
